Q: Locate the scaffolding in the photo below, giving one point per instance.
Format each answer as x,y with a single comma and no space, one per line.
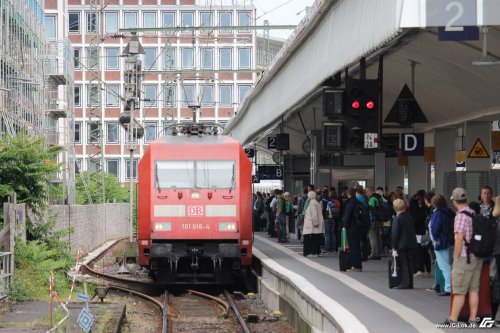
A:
21,63
59,100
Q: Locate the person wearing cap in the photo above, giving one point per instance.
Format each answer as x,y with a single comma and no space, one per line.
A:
465,275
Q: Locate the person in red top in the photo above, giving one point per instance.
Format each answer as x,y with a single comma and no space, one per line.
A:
465,275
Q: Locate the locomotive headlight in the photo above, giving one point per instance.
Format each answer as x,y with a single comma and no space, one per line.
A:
227,226
195,195
163,226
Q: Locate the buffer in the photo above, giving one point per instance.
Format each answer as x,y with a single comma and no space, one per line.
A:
406,110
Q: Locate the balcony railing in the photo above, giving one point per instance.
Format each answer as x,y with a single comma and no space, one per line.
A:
58,62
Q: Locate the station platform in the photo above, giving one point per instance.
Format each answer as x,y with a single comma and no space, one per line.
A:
364,295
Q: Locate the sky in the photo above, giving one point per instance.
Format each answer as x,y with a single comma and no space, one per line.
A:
290,12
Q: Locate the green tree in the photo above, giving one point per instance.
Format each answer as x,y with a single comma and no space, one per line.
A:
113,188
27,167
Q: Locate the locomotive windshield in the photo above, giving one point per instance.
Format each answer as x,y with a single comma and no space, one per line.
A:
195,174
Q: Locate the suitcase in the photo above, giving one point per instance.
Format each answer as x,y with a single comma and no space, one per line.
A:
484,308
344,254
438,278
394,272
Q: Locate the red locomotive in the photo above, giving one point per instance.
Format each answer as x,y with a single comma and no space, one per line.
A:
195,209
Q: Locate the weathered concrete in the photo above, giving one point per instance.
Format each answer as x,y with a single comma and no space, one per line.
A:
92,224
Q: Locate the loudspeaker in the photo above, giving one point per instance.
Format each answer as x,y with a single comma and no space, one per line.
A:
283,141
332,103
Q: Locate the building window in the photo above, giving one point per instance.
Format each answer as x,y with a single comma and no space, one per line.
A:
207,58
74,22
77,95
226,95
187,58
225,58
188,95
92,23
111,22
244,58
150,131
168,19
130,20
169,57
207,97
112,56
187,19
244,20
112,132
134,169
78,132
50,27
169,96
150,96
94,132
112,95
242,92
93,57
206,20
226,20
76,58
93,93
112,167
149,20
149,58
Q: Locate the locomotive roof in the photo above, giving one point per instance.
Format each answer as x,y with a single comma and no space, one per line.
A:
194,139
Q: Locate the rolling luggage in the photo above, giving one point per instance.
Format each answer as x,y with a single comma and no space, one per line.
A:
344,254
438,278
484,308
394,271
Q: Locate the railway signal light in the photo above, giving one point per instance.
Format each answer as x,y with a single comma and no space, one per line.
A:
362,112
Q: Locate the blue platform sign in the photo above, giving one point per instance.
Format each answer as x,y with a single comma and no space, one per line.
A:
85,320
467,33
412,144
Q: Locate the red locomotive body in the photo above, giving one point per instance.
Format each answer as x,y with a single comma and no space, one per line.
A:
195,210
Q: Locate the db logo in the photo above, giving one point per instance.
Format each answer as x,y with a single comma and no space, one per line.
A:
195,211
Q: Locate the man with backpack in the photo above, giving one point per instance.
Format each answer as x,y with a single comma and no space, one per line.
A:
377,216
356,221
467,267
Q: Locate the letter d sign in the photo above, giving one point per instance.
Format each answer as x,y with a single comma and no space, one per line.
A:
413,144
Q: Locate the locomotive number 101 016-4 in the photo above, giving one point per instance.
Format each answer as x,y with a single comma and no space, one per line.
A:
195,226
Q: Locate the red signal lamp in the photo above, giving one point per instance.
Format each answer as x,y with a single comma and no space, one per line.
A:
355,105
370,105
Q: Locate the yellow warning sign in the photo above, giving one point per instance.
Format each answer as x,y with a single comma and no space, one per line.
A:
478,150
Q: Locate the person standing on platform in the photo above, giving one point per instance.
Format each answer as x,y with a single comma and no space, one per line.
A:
365,242
418,211
258,209
354,230
404,242
439,226
487,203
374,235
327,207
313,226
466,271
496,253
280,218
300,213
288,212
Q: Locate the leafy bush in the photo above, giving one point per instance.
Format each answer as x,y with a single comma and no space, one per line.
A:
36,259
113,188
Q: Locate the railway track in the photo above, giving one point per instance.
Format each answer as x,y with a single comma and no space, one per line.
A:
189,311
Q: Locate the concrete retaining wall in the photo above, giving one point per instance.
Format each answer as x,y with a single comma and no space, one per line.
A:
92,224
281,289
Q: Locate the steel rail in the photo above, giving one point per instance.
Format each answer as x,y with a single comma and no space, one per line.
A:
242,322
225,305
164,327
